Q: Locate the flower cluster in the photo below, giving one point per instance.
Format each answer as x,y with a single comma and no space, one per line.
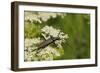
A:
41,16
48,31
47,53
30,46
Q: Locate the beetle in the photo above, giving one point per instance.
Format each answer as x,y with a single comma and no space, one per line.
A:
47,42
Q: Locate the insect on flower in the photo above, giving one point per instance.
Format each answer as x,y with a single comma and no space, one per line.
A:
47,42
51,35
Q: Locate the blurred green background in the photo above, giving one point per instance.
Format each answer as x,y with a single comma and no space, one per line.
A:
76,25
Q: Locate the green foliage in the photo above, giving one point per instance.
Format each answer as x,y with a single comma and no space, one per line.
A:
31,30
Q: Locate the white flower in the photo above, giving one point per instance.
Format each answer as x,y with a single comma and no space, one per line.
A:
63,36
50,30
28,56
53,32
30,42
30,46
44,16
58,42
48,53
47,57
32,17
45,29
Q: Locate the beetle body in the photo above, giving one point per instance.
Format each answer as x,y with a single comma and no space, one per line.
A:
47,42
